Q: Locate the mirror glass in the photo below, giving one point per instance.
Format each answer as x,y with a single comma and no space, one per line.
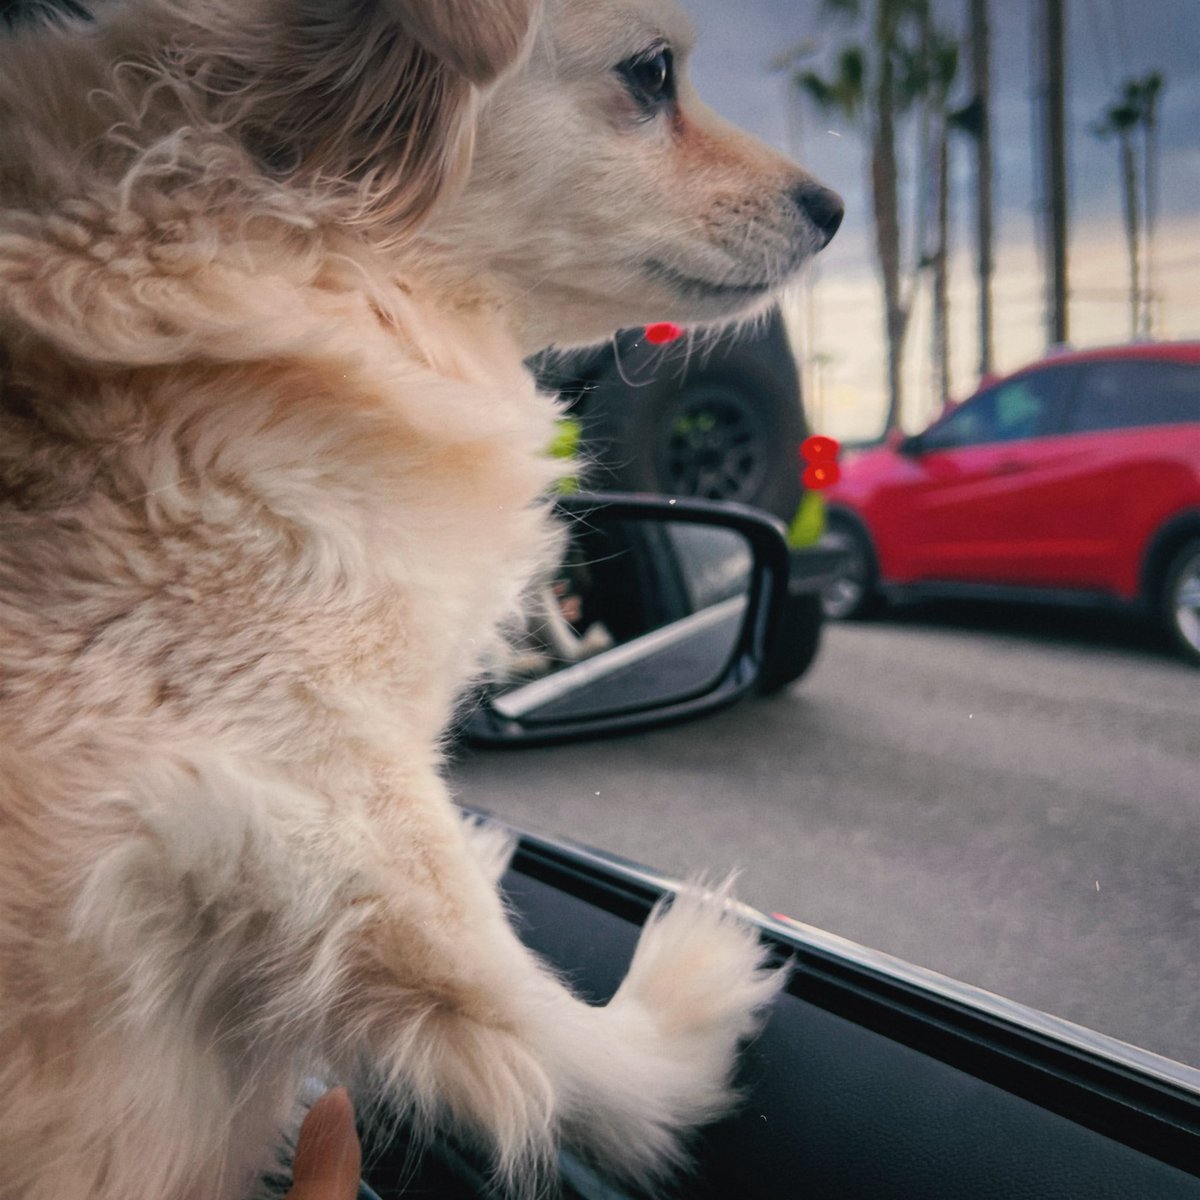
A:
642,613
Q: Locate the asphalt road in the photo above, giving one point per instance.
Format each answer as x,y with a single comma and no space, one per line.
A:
1011,800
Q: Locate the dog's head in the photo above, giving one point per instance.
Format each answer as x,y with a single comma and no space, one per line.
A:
603,193
549,155
551,150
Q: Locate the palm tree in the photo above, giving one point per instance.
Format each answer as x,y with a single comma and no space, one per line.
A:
941,57
1121,120
974,119
1136,107
877,82
1149,90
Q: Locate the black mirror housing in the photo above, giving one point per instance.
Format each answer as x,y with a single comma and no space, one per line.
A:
705,621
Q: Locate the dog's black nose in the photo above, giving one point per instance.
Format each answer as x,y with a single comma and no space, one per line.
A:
823,207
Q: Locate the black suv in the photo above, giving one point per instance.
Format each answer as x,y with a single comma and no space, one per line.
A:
720,419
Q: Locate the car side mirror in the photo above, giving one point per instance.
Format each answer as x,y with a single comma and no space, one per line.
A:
660,610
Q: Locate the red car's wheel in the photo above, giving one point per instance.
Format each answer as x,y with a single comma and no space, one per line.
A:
1181,599
853,592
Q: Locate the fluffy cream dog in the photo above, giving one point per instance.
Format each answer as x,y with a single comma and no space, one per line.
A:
272,474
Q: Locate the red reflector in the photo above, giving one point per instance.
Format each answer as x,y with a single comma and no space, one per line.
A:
819,449
663,331
821,475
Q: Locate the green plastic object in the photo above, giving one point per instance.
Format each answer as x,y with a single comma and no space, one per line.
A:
809,522
568,435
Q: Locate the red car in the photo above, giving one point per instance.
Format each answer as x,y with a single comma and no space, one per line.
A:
1076,479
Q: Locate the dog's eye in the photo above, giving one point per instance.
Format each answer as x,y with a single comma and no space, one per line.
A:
650,78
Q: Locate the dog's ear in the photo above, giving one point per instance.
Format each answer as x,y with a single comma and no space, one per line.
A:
479,39
371,102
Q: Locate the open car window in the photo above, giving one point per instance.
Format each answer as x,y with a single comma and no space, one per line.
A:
999,783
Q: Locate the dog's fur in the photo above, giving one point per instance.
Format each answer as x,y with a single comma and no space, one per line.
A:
272,475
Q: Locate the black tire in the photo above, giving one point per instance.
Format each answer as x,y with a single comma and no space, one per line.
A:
854,594
799,640
722,424
1181,600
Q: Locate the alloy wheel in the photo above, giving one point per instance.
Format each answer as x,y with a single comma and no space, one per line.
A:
715,450
847,594
1183,600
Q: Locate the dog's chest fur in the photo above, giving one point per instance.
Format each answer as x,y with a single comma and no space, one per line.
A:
311,540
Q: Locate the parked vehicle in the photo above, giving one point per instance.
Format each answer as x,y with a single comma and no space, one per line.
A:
1075,480
873,1078
716,419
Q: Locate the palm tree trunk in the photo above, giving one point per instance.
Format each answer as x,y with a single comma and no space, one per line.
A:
886,204
1054,112
1130,181
981,77
941,265
1150,170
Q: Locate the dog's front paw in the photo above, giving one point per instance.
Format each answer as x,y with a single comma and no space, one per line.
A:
701,974
698,985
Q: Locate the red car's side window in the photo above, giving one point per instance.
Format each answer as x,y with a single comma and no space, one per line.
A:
1126,395
1025,407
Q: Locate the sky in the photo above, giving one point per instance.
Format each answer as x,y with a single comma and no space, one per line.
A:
837,315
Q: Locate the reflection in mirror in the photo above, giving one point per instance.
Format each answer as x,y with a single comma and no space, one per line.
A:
641,613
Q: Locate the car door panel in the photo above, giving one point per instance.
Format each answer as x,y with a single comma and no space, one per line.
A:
1135,428
968,505
1105,495
961,513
